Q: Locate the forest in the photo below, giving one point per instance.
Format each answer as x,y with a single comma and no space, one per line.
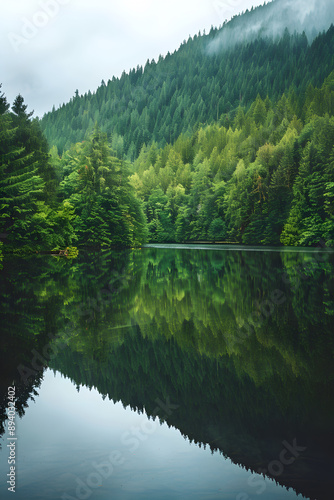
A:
232,145
46,207
266,179
198,84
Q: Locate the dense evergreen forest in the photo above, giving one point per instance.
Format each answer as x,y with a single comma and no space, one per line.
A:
95,205
268,178
199,83
229,142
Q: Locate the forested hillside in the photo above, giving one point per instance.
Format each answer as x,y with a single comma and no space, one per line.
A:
204,81
95,205
220,141
267,178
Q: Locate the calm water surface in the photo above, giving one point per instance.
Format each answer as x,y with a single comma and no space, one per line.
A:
170,372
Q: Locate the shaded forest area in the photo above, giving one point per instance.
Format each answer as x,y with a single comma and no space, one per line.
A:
230,145
95,206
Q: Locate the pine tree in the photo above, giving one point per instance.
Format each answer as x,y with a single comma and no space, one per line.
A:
20,184
25,216
97,185
4,106
30,137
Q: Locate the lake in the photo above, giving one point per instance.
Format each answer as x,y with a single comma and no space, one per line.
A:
168,372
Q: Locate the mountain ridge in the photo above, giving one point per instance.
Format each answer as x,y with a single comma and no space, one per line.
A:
191,86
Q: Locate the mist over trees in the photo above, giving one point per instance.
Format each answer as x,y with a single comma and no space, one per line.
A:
272,19
194,85
219,141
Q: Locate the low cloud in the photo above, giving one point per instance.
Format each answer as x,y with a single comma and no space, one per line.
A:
272,19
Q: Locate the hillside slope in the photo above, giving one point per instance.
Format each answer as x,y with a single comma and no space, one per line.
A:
205,80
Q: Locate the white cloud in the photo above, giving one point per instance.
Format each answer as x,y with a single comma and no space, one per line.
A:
70,44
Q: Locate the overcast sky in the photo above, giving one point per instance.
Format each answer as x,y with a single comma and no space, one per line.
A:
50,48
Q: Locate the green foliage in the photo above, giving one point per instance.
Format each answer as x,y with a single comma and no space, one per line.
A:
47,202
96,184
25,215
266,179
217,230
202,82
228,143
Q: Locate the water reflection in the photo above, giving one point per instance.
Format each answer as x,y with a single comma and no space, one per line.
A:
89,451
241,342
